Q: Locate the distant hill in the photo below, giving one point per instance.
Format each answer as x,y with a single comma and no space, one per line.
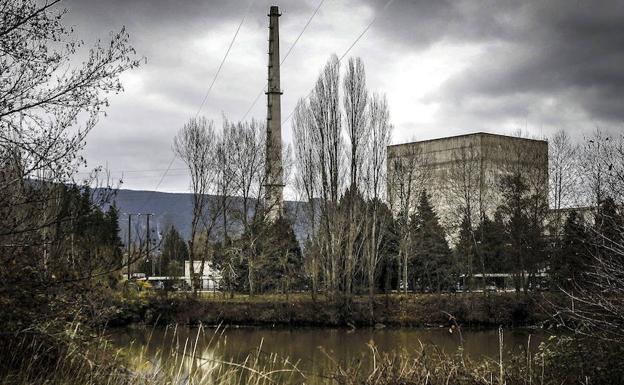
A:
177,209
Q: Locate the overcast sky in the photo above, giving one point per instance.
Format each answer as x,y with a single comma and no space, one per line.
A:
447,68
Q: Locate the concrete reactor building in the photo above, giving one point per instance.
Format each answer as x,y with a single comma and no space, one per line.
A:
462,174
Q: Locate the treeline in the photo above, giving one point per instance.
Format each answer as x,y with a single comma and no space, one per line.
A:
231,234
374,226
231,163
60,254
58,247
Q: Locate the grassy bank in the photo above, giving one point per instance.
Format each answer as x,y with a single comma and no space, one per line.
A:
415,310
187,361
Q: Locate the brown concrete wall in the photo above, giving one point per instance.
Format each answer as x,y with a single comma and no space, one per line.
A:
474,160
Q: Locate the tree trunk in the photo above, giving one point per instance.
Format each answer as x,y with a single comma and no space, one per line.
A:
250,276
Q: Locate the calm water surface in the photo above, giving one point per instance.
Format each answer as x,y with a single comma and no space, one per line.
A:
311,348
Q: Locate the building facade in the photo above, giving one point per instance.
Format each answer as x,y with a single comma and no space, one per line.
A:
209,279
462,174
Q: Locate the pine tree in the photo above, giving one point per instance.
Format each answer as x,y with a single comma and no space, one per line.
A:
112,234
433,263
526,244
281,264
571,257
608,227
465,249
388,271
492,252
174,254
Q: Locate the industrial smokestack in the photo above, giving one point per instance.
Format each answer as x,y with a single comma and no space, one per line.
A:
274,171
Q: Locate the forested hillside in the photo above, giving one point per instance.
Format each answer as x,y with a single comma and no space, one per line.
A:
177,209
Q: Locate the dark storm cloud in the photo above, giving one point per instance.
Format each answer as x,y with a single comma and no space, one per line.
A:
422,22
183,43
567,51
447,66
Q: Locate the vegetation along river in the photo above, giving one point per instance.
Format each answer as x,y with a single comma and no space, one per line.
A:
315,352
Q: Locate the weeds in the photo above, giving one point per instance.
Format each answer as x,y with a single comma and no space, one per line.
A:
43,359
35,358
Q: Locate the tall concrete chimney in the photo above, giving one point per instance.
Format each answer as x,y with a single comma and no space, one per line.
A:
274,198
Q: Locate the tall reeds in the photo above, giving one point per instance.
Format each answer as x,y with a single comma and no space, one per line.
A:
195,359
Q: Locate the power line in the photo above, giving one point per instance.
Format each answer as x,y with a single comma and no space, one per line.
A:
149,198
345,53
214,79
129,171
150,177
253,104
227,52
364,30
287,54
302,31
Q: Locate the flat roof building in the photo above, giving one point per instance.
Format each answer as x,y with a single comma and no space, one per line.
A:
462,174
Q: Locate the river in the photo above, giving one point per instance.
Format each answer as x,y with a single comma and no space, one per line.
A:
314,351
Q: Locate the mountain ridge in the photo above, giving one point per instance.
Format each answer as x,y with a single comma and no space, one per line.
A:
172,208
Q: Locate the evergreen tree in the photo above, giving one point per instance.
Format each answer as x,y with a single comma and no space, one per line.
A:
174,254
388,272
465,250
94,242
433,263
282,261
514,191
571,257
492,256
608,228
524,220
230,261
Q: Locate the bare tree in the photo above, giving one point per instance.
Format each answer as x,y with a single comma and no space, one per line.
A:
247,141
594,304
616,168
326,117
344,198
306,179
225,182
563,174
355,100
248,165
380,134
595,166
51,96
43,94
562,154
196,145
466,187
376,227
408,175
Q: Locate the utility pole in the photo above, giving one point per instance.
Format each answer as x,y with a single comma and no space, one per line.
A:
274,173
149,244
129,245
129,242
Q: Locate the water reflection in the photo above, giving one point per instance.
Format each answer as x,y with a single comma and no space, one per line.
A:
210,353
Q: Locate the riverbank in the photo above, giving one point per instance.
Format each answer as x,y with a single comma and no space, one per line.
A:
396,310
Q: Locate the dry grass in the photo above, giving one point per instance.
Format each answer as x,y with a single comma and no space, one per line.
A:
429,365
42,359
64,360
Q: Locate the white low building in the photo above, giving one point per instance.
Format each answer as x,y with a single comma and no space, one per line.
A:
209,277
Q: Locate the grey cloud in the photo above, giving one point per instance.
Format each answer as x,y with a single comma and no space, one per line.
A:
554,63
557,49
